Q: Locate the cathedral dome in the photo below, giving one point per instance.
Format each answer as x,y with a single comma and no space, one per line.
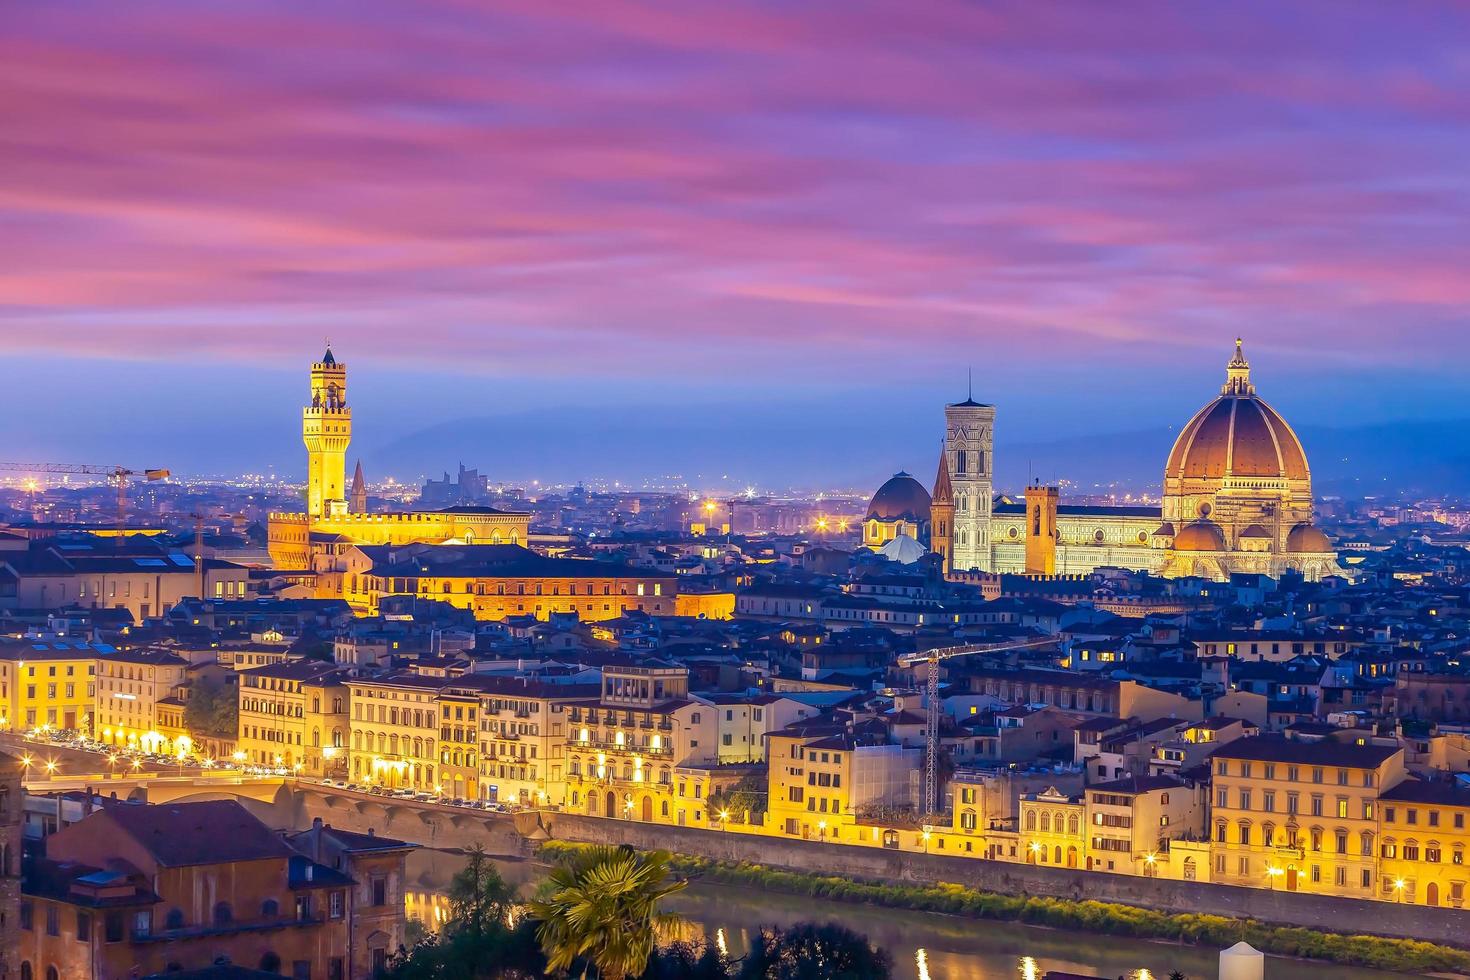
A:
1305,537
901,498
1237,435
1200,536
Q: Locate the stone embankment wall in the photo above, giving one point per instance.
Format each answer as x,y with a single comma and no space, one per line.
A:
516,835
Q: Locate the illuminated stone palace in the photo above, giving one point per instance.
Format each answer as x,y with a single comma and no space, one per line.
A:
1237,498
317,538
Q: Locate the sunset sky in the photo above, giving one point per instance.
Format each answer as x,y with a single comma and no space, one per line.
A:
718,216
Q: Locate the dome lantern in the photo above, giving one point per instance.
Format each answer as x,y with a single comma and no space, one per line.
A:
1238,374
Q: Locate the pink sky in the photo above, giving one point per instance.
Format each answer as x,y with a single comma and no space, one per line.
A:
792,191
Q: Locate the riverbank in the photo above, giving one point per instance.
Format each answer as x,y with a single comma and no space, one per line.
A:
1085,916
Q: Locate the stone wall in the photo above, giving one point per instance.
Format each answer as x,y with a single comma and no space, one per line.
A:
516,835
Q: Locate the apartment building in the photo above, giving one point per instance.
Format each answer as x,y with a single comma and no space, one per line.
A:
134,890
1130,821
394,723
1424,834
1299,815
294,715
644,749
822,774
48,683
524,726
138,704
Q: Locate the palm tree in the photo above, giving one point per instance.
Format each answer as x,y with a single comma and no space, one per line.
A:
602,906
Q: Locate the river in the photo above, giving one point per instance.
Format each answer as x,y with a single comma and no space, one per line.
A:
924,946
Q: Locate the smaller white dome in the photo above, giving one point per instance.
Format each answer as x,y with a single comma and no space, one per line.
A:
903,549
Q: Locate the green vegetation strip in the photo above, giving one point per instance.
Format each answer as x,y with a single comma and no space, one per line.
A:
1089,916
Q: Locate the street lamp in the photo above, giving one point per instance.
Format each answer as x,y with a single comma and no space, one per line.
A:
1398,889
51,767
724,819
1272,874
925,838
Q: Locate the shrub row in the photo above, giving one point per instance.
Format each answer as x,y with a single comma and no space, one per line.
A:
1098,917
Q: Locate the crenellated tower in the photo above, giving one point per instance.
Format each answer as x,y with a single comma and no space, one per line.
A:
326,428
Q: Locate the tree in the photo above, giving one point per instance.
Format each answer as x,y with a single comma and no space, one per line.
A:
213,710
480,900
688,961
807,951
745,801
478,942
601,907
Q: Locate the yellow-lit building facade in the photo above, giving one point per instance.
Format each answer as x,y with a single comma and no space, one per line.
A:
394,724
314,538
48,685
1054,829
459,744
498,582
820,777
138,708
1300,816
643,749
1423,839
523,739
1132,822
293,715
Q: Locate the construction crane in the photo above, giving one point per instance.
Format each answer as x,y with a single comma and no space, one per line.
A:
931,700
116,475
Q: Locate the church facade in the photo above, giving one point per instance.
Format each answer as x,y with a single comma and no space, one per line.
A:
1237,497
336,518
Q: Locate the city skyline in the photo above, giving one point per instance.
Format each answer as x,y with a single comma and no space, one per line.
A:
710,225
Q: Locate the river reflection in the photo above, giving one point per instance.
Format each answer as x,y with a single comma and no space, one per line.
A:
924,946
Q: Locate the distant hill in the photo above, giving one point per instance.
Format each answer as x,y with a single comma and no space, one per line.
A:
780,444
1433,457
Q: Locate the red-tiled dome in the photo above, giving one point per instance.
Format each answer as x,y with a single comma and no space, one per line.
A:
901,498
1200,536
1305,537
1237,435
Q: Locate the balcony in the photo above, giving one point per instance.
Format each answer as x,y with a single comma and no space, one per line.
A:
596,745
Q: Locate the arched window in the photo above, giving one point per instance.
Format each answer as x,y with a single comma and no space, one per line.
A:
269,909
1046,823
223,914
174,919
51,973
1030,819
25,970
1074,825
270,963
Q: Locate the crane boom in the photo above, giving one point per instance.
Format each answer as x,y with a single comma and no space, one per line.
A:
116,475
931,700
